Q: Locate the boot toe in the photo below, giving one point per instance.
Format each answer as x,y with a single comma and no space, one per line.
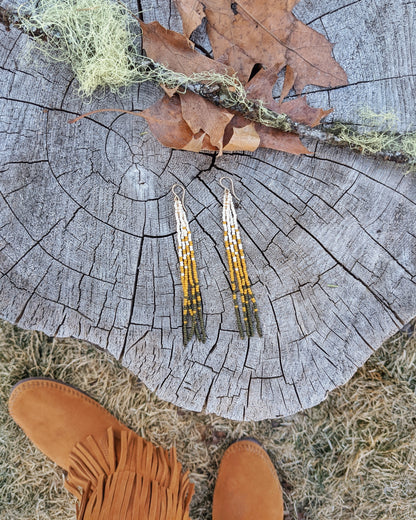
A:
56,416
247,486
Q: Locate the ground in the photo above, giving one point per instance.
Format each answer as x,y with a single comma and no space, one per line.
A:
351,457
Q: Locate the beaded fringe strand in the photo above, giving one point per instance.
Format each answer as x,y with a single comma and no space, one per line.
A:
240,283
192,318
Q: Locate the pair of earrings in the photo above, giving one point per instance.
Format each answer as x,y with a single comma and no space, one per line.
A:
245,305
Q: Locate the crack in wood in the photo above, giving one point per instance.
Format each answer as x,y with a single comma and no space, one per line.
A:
322,318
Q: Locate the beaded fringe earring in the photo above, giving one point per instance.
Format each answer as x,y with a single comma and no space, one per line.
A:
192,318
240,282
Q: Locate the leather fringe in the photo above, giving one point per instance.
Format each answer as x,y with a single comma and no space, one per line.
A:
124,477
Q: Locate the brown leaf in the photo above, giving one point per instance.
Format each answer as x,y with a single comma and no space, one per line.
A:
168,126
192,13
167,123
260,87
169,91
278,140
199,142
176,123
249,32
290,77
200,114
299,110
261,33
176,52
242,33
241,135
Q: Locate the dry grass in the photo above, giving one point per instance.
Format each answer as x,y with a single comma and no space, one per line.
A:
352,457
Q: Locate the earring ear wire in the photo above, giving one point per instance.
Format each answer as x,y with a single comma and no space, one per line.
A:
245,304
174,187
192,317
232,186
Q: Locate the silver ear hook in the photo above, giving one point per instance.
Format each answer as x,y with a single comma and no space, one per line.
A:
232,186
177,197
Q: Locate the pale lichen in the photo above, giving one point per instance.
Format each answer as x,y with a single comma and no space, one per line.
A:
93,37
385,138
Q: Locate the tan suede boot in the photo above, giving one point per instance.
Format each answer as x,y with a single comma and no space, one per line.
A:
247,486
114,473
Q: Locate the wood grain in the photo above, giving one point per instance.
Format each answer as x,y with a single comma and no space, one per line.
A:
87,227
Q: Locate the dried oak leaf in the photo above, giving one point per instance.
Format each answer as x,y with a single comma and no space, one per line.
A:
174,123
192,113
167,124
200,114
261,86
249,32
242,134
194,13
176,52
278,140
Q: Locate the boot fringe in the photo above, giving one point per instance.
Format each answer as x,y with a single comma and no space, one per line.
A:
128,478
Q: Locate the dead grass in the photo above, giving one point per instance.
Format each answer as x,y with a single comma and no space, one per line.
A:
352,457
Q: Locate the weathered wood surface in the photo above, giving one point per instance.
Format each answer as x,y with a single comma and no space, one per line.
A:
87,227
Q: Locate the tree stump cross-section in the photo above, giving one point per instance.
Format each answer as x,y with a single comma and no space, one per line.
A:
87,227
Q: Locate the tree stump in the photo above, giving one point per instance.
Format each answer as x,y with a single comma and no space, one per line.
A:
88,230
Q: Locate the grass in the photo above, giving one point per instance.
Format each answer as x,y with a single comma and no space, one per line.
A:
352,457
